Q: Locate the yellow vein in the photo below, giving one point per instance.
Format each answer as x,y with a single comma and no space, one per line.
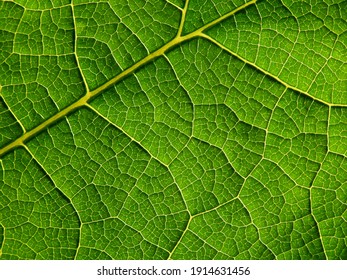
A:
90,94
3,239
180,239
20,141
203,35
174,5
220,19
183,18
75,45
13,114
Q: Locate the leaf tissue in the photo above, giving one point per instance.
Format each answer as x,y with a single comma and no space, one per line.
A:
172,129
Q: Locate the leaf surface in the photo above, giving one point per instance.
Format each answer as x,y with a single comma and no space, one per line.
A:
173,129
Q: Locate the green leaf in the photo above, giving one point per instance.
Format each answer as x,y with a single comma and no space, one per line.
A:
172,129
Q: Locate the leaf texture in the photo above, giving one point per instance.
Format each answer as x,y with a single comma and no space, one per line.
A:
173,129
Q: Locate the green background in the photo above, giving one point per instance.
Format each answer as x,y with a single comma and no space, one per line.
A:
229,142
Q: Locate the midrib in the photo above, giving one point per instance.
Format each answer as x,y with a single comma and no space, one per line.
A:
91,94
